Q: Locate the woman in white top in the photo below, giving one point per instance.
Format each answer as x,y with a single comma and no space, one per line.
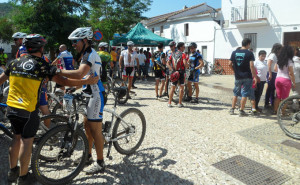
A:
285,77
296,60
271,76
262,68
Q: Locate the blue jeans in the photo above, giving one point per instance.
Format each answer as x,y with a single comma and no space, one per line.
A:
243,87
270,94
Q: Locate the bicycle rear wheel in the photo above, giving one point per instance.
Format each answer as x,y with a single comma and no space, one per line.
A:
58,143
129,137
121,83
288,116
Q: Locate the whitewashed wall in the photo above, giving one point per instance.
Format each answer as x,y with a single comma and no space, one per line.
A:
283,18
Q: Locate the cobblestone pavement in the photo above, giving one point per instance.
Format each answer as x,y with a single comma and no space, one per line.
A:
182,144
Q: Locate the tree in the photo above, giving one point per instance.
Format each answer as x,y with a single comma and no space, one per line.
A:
116,16
54,19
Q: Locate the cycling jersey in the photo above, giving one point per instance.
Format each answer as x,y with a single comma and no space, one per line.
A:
177,60
92,59
195,60
3,57
26,74
21,52
158,56
66,60
133,56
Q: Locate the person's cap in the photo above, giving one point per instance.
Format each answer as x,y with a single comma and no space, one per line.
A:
130,43
172,43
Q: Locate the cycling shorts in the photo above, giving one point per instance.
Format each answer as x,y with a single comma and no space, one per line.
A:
194,77
104,73
23,123
128,72
43,99
180,80
95,107
159,75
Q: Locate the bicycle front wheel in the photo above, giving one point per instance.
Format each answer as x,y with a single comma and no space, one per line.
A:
288,116
69,151
129,131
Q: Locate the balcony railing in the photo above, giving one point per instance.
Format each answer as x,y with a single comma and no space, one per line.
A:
251,13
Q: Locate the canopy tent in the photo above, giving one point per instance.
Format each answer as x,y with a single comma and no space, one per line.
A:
140,36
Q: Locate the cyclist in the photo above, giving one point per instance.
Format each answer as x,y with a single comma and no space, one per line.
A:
3,59
90,64
105,60
128,56
195,63
18,39
169,53
114,56
179,63
26,75
159,58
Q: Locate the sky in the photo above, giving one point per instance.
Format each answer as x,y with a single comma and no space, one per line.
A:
159,7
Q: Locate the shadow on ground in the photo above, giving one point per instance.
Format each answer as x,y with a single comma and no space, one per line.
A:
141,168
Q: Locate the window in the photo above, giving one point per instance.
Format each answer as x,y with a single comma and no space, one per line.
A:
161,29
186,29
253,38
153,30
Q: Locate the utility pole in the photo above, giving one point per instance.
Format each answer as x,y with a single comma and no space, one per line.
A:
245,10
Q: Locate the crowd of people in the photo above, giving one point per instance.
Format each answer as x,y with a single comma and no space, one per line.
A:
279,69
29,73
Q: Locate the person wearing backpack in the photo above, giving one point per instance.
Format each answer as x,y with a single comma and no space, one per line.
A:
159,59
178,72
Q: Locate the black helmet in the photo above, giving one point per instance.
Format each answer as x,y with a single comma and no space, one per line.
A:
34,42
172,43
193,44
1,49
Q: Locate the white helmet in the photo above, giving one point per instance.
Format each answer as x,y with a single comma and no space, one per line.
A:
82,33
19,35
102,44
130,43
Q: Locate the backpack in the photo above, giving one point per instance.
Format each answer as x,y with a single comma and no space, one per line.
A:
176,58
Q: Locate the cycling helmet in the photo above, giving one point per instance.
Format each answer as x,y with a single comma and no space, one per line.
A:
172,43
34,42
174,76
19,35
82,33
102,44
193,44
130,43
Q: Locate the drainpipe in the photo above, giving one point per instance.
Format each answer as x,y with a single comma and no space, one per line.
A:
245,10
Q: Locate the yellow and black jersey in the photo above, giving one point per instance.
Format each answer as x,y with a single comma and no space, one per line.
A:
26,75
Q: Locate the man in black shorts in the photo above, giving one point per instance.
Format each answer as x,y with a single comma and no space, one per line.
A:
159,58
26,74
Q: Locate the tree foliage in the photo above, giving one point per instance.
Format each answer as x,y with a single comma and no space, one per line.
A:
116,16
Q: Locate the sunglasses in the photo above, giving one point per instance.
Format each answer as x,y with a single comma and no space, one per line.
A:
16,39
75,41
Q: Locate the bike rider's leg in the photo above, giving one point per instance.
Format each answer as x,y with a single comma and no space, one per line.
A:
189,86
45,111
130,79
14,151
181,91
171,93
161,87
96,133
88,135
25,155
156,87
197,89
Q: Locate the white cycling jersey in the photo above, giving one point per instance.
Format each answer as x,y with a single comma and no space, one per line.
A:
66,60
133,55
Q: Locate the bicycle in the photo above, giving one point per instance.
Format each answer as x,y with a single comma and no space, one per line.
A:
60,143
115,83
3,126
288,116
186,90
218,69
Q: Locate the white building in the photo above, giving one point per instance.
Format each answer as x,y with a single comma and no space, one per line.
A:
265,22
192,24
